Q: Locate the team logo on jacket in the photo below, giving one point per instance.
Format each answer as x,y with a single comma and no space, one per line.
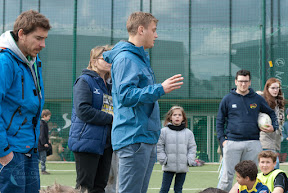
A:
96,91
253,106
234,106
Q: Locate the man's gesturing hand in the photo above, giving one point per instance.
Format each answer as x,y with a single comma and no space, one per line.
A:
172,83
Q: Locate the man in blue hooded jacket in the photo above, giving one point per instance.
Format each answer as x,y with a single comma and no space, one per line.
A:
21,102
238,114
136,125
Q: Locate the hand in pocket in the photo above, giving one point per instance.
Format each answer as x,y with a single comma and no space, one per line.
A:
6,159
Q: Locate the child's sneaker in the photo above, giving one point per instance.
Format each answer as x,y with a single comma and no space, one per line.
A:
45,173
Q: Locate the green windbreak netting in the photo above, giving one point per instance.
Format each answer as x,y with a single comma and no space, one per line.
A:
207,41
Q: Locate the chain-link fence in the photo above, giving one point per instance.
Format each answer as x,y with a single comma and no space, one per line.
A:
207,41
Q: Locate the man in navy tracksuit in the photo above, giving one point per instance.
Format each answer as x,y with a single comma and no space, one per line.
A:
21,102
238,114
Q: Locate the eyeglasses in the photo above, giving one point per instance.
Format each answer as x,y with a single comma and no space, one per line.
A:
243,81
274,88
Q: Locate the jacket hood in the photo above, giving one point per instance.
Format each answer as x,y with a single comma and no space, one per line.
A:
123,46
7,41
90,73
94,74
250,94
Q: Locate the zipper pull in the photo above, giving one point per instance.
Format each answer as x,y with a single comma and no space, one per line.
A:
19,109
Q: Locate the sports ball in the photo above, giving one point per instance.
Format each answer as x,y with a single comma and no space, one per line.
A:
264,119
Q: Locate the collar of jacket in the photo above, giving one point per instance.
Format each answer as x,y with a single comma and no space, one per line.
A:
176,128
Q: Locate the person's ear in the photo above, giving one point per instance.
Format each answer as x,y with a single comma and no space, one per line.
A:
141,29
20,33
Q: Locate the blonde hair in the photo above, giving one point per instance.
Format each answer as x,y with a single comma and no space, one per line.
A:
137,19
170,113
96,53
57,188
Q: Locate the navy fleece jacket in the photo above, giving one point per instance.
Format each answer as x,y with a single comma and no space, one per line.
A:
237,116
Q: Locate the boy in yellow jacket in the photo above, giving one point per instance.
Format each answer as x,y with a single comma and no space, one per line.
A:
275,179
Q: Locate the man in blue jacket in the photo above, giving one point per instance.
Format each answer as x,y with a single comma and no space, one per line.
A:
136,125
238,114
21,102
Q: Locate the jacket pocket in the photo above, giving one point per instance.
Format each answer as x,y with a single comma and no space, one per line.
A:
13,115
82,131
23,123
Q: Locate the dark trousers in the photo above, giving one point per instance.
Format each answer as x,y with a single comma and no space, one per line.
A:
93,170
167,179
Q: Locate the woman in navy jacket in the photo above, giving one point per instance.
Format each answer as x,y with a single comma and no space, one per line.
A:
92,117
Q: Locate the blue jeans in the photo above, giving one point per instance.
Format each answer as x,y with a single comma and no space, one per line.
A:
42,159
136,163
167,179
112,185
21,174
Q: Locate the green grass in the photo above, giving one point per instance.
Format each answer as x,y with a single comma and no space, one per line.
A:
198,178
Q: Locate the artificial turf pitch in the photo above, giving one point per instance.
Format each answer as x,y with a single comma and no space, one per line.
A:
197,179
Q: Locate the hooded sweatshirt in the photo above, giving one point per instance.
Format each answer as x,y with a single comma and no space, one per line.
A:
239,115
135,94
7,41
21,98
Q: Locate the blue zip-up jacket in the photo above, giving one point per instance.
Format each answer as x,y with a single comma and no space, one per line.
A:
90,130
135,94
239,115
20,104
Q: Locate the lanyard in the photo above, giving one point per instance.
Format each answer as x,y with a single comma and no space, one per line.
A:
37,78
